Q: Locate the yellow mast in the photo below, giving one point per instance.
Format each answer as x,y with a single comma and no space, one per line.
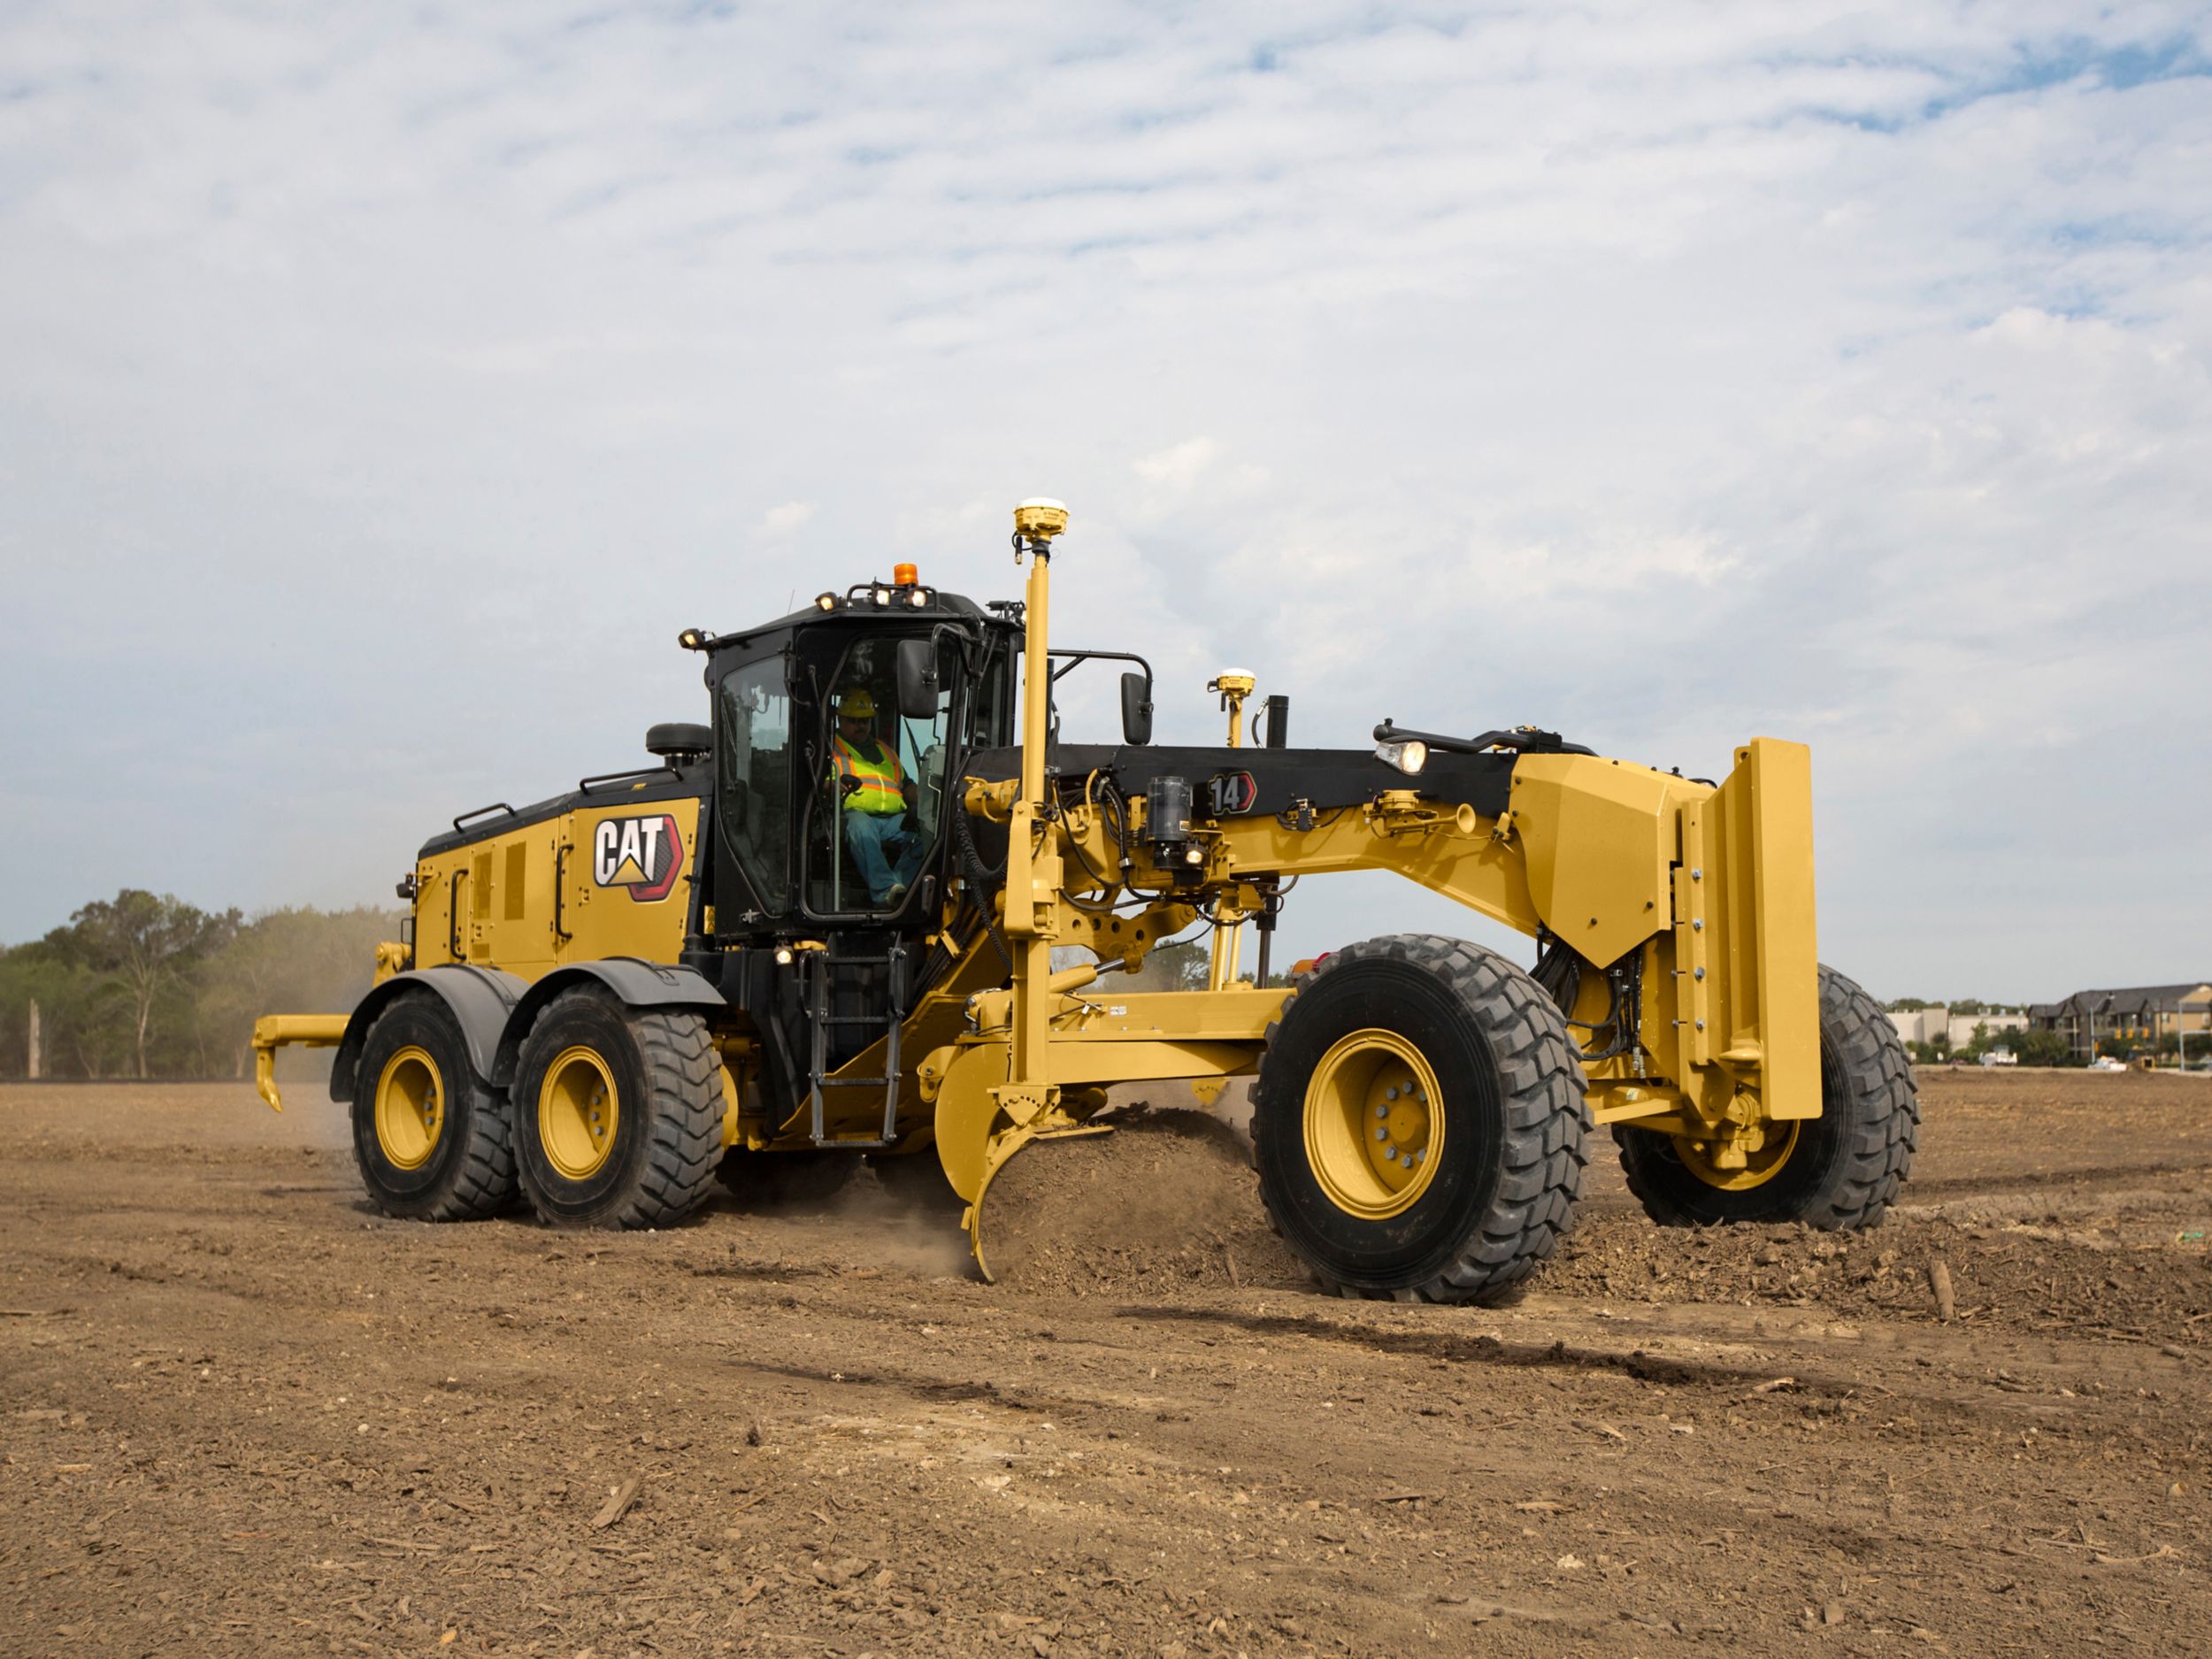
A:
1032,870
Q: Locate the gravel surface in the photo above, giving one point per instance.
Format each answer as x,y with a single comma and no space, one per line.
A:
240,1412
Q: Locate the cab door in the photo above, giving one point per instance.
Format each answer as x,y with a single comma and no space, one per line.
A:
755,756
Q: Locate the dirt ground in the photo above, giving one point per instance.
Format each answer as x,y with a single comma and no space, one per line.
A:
240,1412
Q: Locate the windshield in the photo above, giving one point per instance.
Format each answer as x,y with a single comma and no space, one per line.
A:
882,785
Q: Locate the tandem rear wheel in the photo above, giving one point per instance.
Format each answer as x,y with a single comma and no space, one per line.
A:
618,1112
1418,1122
1840,1171
431,1139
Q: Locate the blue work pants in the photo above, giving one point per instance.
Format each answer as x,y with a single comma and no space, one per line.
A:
888,855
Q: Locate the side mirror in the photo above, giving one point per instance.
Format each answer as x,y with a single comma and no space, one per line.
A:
1136,708
917,679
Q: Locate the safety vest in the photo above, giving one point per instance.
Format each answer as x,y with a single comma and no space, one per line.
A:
882,785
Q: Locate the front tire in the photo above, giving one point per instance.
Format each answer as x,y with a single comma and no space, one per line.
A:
1418,1122
431,1139
1839,1171
618,1113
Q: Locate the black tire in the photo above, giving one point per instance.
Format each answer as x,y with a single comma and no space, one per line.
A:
657,1070
462,1170
787,1180
1848,1164
1508,1167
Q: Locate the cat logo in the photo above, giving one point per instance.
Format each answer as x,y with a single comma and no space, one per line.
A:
642,853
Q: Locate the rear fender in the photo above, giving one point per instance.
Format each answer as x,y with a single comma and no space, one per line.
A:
632,980
479,999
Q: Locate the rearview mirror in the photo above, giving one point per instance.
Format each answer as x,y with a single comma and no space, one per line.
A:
1136,708
917,679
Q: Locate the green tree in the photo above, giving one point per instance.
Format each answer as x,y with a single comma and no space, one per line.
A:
1982,1041
2042,1048
1182,966
218,977
288,961
81,1013
145,943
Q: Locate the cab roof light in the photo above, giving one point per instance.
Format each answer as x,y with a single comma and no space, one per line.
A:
826,602
905,575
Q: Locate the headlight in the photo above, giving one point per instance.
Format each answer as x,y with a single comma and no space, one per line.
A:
1409,757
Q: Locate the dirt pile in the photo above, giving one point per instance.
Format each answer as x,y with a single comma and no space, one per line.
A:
1168,1200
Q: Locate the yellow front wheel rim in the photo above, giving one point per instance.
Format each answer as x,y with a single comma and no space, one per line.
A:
409,1108
579,1109
1762,1164
1374,1124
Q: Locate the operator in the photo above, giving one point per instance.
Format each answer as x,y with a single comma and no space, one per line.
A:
878,796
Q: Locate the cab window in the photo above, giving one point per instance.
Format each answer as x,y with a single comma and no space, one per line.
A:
753,744
880,801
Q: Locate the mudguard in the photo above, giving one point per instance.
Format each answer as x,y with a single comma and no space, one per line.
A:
634,981
480,999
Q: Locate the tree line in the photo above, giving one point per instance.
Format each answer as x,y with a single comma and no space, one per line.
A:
145,985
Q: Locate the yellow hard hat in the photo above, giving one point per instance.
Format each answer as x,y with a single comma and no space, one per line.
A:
859,702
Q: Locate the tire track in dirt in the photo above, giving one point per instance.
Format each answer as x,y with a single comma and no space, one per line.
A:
845,1445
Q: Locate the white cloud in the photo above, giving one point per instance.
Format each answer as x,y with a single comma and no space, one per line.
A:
1661,374
1179,466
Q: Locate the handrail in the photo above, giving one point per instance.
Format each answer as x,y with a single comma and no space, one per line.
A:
496,806
585,786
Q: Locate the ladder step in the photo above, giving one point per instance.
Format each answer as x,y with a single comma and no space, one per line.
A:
818,985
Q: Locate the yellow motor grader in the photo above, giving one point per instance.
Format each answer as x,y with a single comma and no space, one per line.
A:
823,926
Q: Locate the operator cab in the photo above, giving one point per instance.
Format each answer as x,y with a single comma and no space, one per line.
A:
838,734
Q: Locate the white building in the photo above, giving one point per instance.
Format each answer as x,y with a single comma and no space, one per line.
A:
1960,1026
1925,1025
1920,1024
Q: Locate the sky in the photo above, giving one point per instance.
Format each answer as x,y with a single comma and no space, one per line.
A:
385,386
